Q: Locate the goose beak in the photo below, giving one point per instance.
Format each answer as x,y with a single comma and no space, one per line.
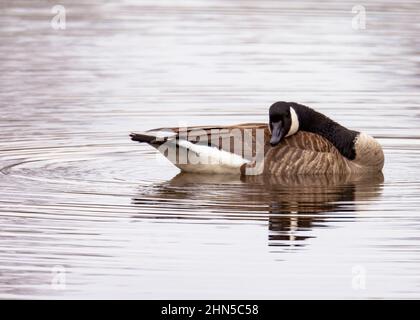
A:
277,133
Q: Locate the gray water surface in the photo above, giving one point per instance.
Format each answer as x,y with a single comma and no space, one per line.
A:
86,213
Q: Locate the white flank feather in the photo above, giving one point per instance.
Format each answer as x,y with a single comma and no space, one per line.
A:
210,159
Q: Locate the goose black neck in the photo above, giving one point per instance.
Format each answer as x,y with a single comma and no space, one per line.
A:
312,121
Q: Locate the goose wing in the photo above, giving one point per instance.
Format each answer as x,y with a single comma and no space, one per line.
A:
237,139
303,153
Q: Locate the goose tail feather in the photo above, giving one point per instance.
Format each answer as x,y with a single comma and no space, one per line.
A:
152,137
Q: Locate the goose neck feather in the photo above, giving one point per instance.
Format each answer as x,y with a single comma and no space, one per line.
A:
312,121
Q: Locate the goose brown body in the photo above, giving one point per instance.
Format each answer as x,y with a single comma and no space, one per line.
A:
303,153
307,153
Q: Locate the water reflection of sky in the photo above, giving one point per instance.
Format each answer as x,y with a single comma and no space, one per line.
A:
76,192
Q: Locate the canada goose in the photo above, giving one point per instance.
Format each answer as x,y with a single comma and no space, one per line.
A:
297,140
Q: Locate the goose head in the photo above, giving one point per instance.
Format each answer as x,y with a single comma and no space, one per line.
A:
283,122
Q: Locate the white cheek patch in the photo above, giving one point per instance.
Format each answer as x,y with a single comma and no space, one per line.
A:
294,127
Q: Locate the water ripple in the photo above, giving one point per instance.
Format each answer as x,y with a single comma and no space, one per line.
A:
121,222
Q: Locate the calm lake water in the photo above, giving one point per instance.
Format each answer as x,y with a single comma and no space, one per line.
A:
86,213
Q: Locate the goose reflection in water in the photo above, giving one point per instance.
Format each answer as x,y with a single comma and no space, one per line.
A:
293,206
